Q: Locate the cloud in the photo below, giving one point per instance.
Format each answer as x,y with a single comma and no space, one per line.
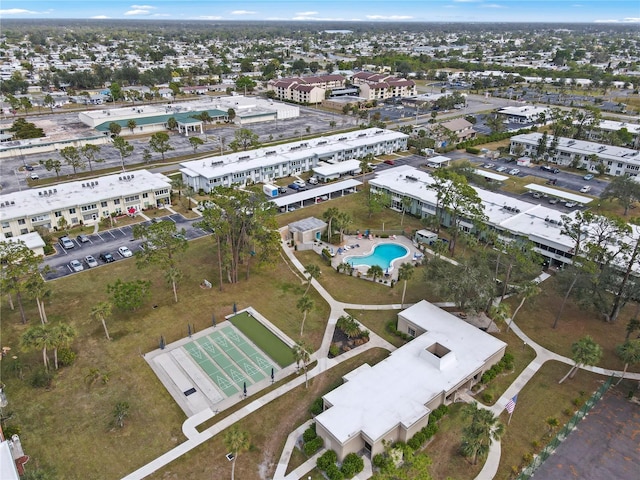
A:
492,5
613,20
17,11
387,17
306,14
143,7
137,12
243,12
100,17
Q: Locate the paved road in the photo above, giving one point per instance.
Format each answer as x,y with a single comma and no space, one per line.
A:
108,241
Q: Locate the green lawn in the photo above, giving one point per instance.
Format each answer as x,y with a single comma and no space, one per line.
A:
262,337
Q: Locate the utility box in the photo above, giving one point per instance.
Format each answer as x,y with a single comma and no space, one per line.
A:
270,190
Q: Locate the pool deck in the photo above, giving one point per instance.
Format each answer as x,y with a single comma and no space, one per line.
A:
361,245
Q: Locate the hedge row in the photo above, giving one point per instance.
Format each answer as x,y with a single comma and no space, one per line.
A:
351,465
506,363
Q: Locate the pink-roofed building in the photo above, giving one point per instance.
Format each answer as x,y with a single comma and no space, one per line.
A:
313,91
378,86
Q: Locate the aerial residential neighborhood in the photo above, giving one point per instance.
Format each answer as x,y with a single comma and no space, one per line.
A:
319,241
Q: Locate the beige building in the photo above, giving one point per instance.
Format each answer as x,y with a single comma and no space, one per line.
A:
392,401
375,86
82,202
305,89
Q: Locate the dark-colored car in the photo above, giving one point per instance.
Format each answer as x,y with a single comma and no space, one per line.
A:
106,257
389,162
82,238
547,168
282,189
295,186
28,168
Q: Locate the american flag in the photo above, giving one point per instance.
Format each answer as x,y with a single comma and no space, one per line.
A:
511,404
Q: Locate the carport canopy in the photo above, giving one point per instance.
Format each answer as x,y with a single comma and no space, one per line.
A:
492,175
553,192
327,190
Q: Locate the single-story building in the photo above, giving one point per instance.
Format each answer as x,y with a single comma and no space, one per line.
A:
306,231
328,171
392,400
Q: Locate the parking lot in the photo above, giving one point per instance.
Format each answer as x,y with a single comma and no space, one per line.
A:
108,241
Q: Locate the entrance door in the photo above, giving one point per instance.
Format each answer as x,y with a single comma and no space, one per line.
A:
367,449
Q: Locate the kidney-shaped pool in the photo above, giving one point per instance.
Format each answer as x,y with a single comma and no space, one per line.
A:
383,255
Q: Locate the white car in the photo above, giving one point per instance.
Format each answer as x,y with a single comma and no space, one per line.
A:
90,261
300,183
501,169
585,189
125,252
514,171
76,265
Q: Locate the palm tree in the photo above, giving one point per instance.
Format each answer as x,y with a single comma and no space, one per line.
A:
405,272
36,338
500,312
329,215
305,305
38,289
406,205
477,437
314,272
237,441
629,353
302,355
552,423
61,336
101,311
585,352
120,412
528,290
375,271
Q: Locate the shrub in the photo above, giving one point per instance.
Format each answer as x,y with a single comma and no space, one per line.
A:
535,444
309,434
352,465
527,457
334,350
487,397
441,411
568,412
576,402
326,459
430,430
312,447
66,356
41,378
473,150
334,473
317,406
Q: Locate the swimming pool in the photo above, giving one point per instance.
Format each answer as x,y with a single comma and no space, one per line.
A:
383,255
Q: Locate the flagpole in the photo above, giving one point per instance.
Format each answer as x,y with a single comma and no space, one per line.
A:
510,415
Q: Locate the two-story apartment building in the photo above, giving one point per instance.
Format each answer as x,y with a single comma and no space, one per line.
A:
82,202
581,154
270,163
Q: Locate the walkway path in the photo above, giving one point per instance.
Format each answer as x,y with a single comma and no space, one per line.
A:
337,309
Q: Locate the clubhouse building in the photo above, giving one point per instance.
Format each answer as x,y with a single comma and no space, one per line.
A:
392,400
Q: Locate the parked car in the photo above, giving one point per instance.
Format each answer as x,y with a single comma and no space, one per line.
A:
537,195
547,168
488,166
514,171
76,265
34,176
553,200
372,166
28,168
125,252
179,236
313,180
389,162
588,176
585,189
82,238
570,204
300,183
501,169
90,261
282,189
295,186
66,243
106,257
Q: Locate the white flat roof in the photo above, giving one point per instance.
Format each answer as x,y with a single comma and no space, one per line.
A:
338,168
316,192
395,391
64,195
492,175
559,193
439,159
503,211
8,469
213,167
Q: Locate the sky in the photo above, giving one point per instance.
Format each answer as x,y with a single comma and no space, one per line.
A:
562,11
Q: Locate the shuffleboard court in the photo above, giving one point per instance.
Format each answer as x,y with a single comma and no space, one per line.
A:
237,356
210,369
223,362
263,338
239,341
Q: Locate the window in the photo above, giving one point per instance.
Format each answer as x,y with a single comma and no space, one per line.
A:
58,214
5,224
132,198
72,210
86,208
116,201
145,195
24,231
104,204
21,221
411,332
